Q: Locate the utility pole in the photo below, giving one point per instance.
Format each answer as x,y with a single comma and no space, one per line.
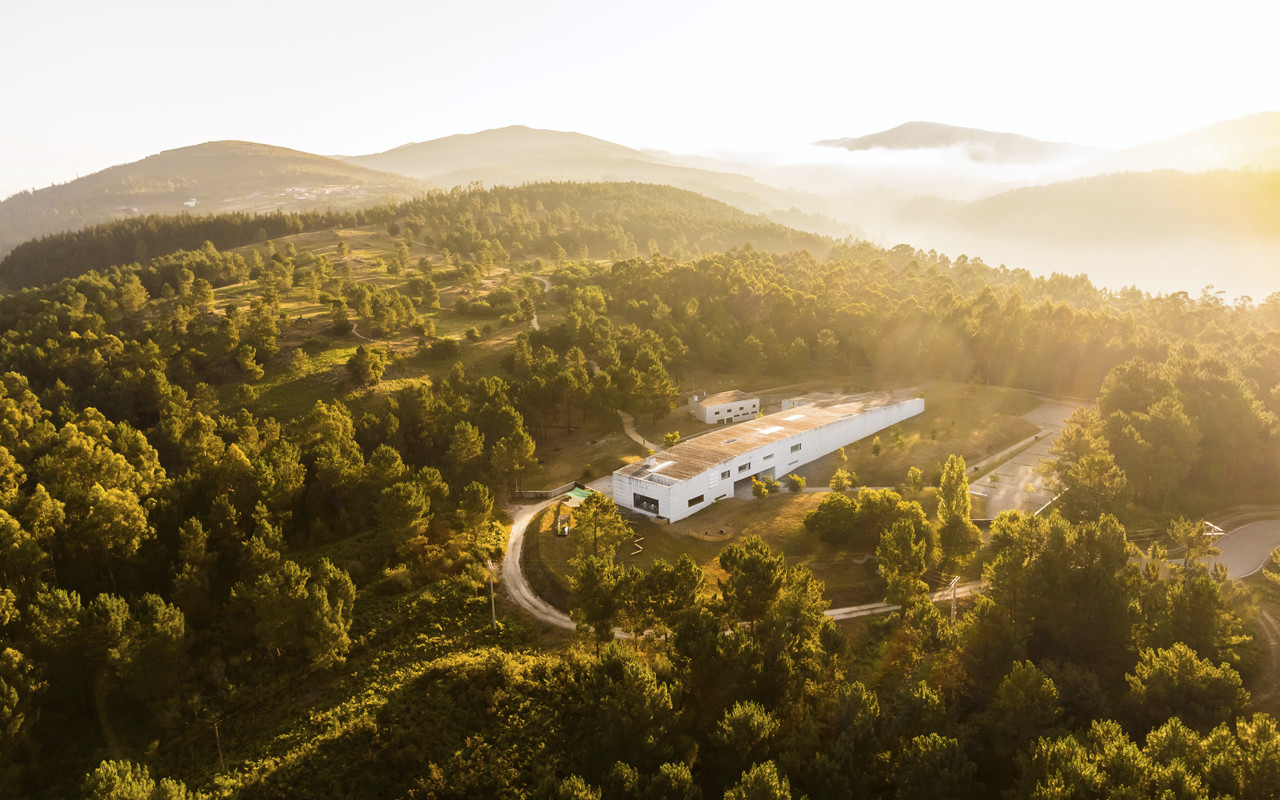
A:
222,765
493,609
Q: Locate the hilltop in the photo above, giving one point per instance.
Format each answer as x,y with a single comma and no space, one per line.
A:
516,154
207,178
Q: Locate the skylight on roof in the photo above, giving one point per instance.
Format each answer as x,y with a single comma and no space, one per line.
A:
793,417
771,429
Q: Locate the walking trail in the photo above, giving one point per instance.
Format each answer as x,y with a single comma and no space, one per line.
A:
629,425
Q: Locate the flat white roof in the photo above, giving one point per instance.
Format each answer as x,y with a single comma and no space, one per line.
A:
731,396
701,453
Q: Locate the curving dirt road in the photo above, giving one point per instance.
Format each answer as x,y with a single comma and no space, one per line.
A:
513,579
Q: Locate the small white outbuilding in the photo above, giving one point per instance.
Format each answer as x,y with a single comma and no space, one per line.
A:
725,407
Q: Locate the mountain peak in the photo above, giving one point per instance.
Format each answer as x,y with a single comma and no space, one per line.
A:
977,144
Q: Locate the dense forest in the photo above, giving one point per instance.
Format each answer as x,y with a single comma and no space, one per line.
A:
202,593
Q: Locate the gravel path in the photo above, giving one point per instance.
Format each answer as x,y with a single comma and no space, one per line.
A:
513,578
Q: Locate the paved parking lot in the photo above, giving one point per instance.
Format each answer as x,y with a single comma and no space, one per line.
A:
1015,485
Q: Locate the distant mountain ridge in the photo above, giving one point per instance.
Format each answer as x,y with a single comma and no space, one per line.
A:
1163,230
517,154
978,144
205,178
1059,202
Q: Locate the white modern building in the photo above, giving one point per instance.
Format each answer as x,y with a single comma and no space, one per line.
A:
690,476
725,407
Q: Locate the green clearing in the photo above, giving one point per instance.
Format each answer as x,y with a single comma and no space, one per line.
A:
306,324
544,557
779,520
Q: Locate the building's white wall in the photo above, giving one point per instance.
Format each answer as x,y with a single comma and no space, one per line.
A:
727,412
673,500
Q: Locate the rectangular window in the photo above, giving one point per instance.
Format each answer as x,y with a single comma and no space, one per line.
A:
745,467
724,476
717,413
695,501
645,503
766,458
795,448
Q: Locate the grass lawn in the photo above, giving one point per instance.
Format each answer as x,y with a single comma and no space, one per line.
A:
779,520
586,453
544,557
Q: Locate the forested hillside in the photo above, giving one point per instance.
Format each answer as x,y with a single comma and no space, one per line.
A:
552,219
249,494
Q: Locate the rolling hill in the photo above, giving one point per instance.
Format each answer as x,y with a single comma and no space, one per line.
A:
976,144
517,154
205,178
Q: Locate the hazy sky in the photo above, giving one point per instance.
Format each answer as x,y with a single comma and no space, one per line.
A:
85,85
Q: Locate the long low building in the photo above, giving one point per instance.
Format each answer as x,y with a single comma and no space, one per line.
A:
693,474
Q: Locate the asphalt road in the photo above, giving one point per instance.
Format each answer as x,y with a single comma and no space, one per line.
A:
1247,549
